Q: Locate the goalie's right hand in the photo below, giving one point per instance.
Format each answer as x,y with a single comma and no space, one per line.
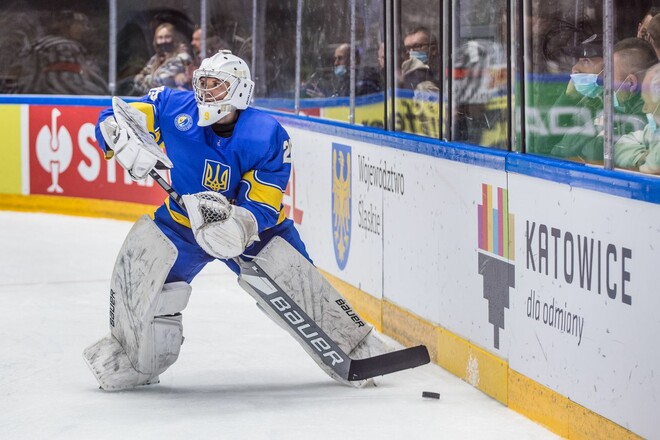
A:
129,152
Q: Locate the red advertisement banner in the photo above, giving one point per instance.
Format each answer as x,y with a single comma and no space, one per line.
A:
65,159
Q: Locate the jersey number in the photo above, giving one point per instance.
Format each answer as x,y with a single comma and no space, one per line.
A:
287,151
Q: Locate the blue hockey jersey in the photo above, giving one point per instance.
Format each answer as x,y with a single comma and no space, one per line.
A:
251,167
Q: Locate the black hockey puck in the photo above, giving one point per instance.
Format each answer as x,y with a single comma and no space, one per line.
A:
430,395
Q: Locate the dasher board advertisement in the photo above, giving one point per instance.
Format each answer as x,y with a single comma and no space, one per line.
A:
584,314
64,159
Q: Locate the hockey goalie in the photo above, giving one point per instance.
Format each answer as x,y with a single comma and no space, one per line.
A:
231,163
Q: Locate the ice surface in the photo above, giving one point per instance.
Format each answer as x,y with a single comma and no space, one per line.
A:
239,376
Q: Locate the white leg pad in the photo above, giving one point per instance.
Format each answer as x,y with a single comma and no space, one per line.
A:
146,329
305,285
108,361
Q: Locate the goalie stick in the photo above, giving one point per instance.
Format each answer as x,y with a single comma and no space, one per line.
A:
168,189
269,294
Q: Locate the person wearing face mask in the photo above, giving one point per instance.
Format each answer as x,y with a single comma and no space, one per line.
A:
341,60
582,118
587,69
168,66
640,149
335,83
422,49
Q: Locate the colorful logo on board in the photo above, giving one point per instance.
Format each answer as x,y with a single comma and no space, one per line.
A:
496,253
341,202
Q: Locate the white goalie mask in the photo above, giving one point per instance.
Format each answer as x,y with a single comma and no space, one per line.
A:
222,84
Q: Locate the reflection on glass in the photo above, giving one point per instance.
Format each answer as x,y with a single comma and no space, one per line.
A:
370,73
334,80
479,75
43,51
229,27
418,66
326,62
640,149
321,41
144,62
559,44
564,109
170,66
274,72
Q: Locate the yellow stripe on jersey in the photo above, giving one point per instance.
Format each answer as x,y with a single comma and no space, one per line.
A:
262,192
281,218
179,218
150,113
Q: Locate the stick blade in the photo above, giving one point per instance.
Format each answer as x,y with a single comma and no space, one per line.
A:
388,363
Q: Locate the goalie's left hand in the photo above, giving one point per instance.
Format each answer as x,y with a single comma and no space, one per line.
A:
127,150
223,230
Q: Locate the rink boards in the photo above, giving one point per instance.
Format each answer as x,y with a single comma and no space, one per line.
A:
529,278
550,279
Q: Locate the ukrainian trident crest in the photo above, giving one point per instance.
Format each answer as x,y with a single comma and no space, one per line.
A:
216,176
341,202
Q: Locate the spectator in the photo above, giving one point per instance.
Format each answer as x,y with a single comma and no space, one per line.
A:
579,107
196,44
584,138
341,68
58,63
422,49
168,66
213,45
641,149
322,84
589,54
653,34
135,40
381,65
381,56
642,27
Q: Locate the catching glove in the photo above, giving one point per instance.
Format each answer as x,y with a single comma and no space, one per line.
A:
223,230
